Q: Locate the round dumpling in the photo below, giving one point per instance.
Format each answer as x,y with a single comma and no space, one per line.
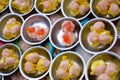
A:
98,26
74,8
102,6
46,4
43,65
103,77
93,37
114,9
68,26
68,38
6,52
31,32
42,33
10,61
11,21
74,71
111,69
29,67
105,38
64,64
32,57
6,32
61,73
100,69
84,8
15,29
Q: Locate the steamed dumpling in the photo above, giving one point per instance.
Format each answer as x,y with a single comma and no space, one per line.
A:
102,6
68,26
29,68
6,52
11,61
42,33
114,9
65,63
94,38
74,71
103,77
84,8
96,65
111,69
68,38
31,32
100,69
32,57
43,65
11,21
98,27
105,38
61,74
74,8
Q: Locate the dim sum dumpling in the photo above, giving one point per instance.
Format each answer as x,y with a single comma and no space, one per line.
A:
68,26
32,57
98,27
43,65
105,38
95,64
74,8
93,37
42,33
114,9
61,74
111,69
30,68
84,8
68,38
6,52
74,71
103,77
102,6
31,32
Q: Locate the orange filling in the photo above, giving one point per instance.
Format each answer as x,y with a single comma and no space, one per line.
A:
66,38
41,32
68,26
30,29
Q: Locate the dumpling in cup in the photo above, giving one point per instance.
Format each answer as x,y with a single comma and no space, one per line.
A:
114,9
43,65
74,71
32,57
68,26
103,77
29,68
74,8
42,33
31,32
68,38
61,74
93,37
105,38
102,7
98,27
84,8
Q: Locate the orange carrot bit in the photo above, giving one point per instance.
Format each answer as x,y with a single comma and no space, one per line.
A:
66,38
41,32
68,26
30,29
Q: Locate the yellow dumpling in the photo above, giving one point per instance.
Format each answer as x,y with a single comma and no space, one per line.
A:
95,64
43,65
